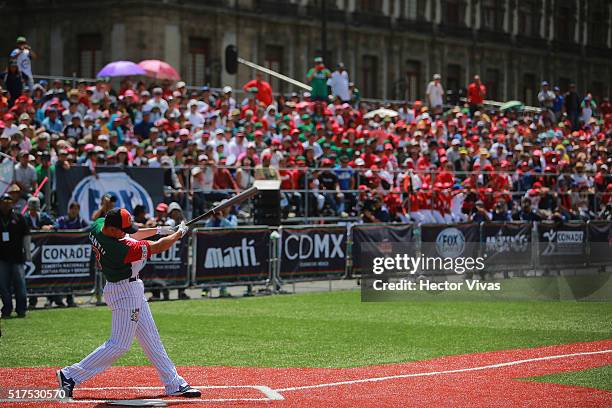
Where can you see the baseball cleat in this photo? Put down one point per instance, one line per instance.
(187, 392)
(66, 384)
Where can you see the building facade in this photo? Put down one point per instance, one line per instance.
(391, 48)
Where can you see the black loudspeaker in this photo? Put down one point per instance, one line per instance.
(231, 59)
(267, 208)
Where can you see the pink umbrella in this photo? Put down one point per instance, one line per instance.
(159, 69)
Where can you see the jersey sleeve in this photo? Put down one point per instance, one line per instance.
(137, 251)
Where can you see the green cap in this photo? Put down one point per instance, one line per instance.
(345, 141)
(305, 116)
(286, 117)
(21, 39)
(361, 140)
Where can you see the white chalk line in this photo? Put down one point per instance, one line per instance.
(431, 373)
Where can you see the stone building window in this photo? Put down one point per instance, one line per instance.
(413, 80)
(90, 54)
(598, 91)
(491, 15)
(453, 78)
(369, 75)
(530, 90)
(529, 18)
(198, 70)
(598, 24)
(492, 82)
(370, 6)
(564, 24)
(455, 12)
(273, 60)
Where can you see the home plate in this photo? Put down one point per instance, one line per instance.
(138, 403)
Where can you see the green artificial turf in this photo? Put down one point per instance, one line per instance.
(309, 330)
(600, 377)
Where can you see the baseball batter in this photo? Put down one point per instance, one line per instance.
(121, 257)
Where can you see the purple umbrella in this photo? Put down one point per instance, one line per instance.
(120, 68)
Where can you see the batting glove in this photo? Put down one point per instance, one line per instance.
(183, 228)
(164, 230)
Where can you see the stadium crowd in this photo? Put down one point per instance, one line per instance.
(423, 161)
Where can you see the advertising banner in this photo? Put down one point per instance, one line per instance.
(378, 240)
(507, 244)
(313, 252)
(170, 268)
(450, 240)
(239, 255)
(131, 185)
(61, 262)
(600, 241)
(562, 244)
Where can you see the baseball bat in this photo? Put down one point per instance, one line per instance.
(238, 198)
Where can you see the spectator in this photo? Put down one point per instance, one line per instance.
(24, 55)
(435, 94)
(547, 100)
(15, 250)
(72, 220)
(572, 106)
(36, 219)
(13, 81)
(107, 203)
(476, 94)
(558, 104)
(317, 77)
(25, 174)
(339, 83)
(264, 90)
(587, 108)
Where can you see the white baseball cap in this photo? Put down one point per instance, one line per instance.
(227, 89)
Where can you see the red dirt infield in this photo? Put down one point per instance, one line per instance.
(474, 380)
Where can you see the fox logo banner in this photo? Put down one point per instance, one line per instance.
(232, 255)
(450, 241)
(312, 252)
(131, 187)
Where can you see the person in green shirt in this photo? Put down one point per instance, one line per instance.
(317, 77)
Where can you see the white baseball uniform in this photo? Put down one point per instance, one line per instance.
(131, 317)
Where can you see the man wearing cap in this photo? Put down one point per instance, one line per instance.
(317, 77)
(435, 94)
(23, 54)
(107, 203)
(14, 251)
(264, 90)
(25, 174)
(121, 257)
(339, 83)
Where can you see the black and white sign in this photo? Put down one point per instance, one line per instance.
(312, 252)
(61, 261)
(507, 243)
(236, 255)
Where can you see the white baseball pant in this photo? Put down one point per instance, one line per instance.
(131, 318)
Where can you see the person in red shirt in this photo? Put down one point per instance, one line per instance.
(476, 93)
(264, 90)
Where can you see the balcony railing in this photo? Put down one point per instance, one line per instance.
(371, 19)
(452, 30)
(277, 7)
(530, 41)
(333, 15)
(493, 36)
(420, 26)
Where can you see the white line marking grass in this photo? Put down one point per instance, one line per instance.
(431, 373)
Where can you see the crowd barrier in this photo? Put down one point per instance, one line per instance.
(63, 263)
